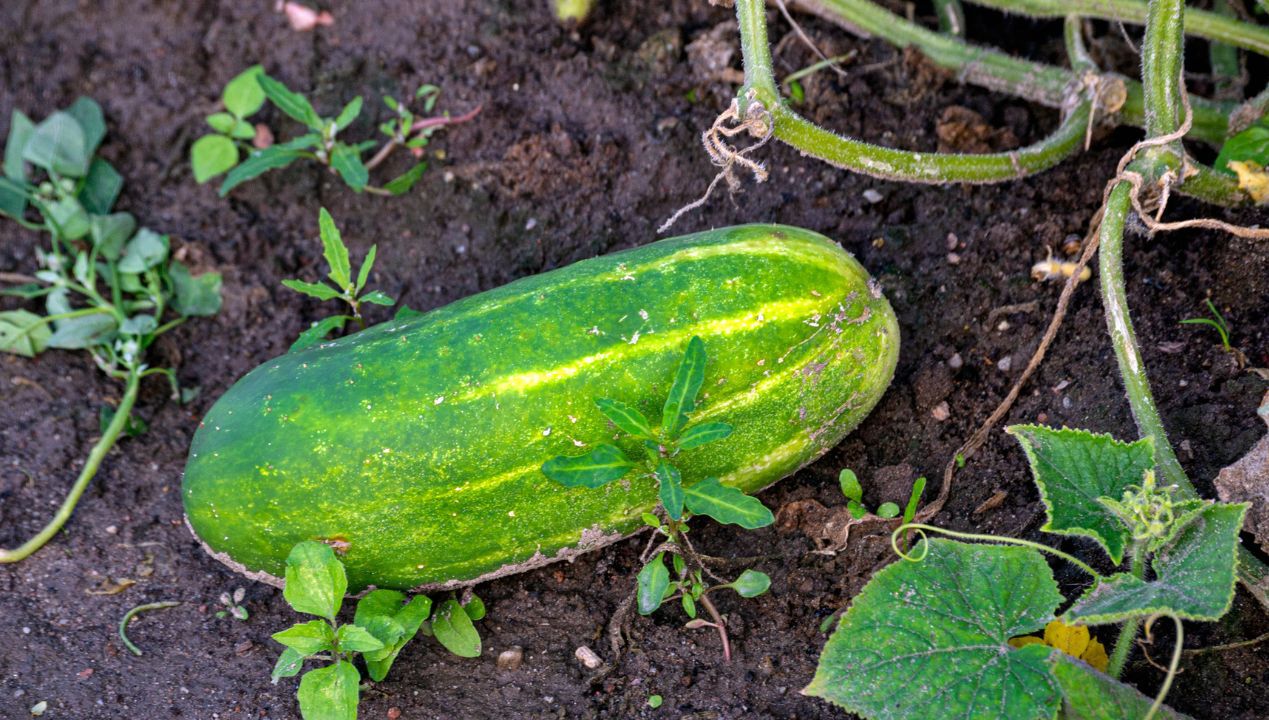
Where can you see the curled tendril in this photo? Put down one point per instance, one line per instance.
(1172, 666)
(910, 557)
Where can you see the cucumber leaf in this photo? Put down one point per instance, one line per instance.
(1091, 695)
(935, 633)
(1194, 574)
(1073, 468)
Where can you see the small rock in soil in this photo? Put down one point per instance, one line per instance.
(588, 657)
(511, 658)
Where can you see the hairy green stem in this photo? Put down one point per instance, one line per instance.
(889, 163)
(1162, 60)
(1076, 51)
(1128, 632)
(1207, 25)
(996, 71)
(103, 446)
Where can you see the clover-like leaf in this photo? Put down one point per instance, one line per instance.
(687, 384)
(1194, 574)
(330, 693)
(315, 579)
(930, 638)
(1091, 695)
(453, 628)
(243, 95)
(596, 468)
(653, 581)
(671, 489)
(703, 434)
(211, 155)
(727, 505)
(627, 419)
(1073, 468)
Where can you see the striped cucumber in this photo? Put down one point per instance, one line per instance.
(415, 447)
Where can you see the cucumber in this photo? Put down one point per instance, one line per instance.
(415, 447)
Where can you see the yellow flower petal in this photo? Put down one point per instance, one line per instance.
(1252, 178)
(1024, 641)
(1070, 639)
(1095, 655)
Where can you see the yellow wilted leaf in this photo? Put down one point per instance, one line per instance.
(1252, 178)
(1095, 655)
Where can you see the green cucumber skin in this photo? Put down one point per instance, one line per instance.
(415, 446)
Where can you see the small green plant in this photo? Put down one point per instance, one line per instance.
(223, 150)
(958, 614)
(1216, 321)
(108, 286)
(233, 605)
(345, 289)
(854, 493)
(679, 501)
(383, 623)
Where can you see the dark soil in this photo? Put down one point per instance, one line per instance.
(588, 140)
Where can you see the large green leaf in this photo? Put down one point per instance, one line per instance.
(727, 504)
(23, 333)
(596, 468)
(930, 638)
(1194, 574)
(627, 419)
(330, 693)
(20, 130)
(315, 580)
(687, 384)
(453, 628)
(1091, 695)
(58, 144)
(1073, 468)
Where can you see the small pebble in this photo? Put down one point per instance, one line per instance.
(1003, 326)
(111, 529)
(953, 259)
(1005, 364)
(394, 713)
(588, 657)
(952, 241)
(941, 411)
(511, 658)
(872, 196)
(38, 708)
(956, 361)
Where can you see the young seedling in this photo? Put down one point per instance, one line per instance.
(383, 623)
(108, 287)
(1216, 321)
(679, 501)
(223, 150)
(854, 494)
(345, 288)
(233, 605)
(967, 610)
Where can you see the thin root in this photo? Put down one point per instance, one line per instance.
(758, 123)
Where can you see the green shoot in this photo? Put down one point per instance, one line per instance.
(108, 287)
(235, 138)
(127, 618)
(854, 494)
(345, 288)
(1217, 322)
(687, 577)
(233, 605)
(382, 624)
